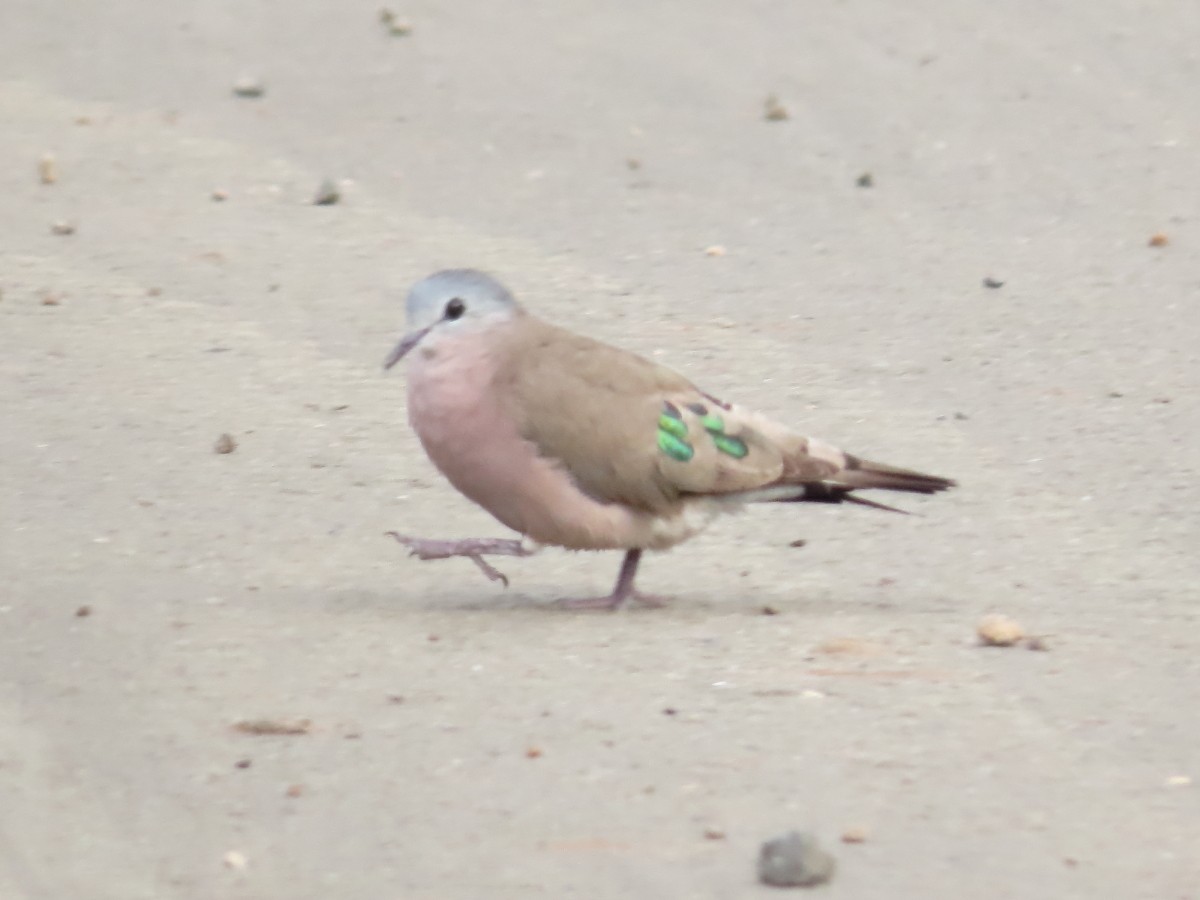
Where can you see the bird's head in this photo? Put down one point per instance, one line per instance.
(452, 302)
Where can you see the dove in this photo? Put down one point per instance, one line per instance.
(574, 443)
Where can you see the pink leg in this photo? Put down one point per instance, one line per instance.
(621, 592)
(473, 549)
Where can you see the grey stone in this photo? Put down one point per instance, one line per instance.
(794, 860)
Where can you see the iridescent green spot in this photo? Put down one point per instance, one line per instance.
(731, 446)
(713, 423)
(672, 426)
(672, 446)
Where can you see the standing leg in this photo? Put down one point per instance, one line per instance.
(621, 592)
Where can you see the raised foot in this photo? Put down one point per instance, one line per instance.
(473, 549)
(614, 601)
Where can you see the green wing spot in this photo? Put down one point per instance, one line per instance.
(726, 443)
(675, 448)
(672, 426)
(671, 433)
(731, 446)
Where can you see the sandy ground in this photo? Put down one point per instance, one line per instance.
(468, 741)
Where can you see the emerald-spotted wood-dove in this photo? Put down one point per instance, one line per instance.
(574, 443)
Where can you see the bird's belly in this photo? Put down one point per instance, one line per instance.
(467, 439)
(468, 436)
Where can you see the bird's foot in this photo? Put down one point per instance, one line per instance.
(473, 549)
(615, 601)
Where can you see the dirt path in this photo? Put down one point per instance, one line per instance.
(464, 741)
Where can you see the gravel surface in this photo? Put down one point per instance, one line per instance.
(614, 165)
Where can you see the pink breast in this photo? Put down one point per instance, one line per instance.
(462, 423)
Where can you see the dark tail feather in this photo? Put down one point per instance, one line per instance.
(825, 492)
(874, 504)
(862, 473)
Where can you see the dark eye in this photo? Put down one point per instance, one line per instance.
(455, 308)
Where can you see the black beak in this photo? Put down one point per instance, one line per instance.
(401, 349)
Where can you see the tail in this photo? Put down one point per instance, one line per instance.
(858, 474)
(862, 473)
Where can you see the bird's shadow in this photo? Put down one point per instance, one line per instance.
(711, 589)
(545, 602)
(488, 600)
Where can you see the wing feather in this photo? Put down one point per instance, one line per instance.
(630, 431)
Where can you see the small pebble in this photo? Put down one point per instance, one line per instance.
(235, 860)
(995, 630)
(243, 763)
(849, 646)
(773, 110)
(327, 194)
(714, 834)
(533, 753)
(63, 228)
(48, 169)
(294, 790)
(1036, 643)
(769, 611)
(250, 87)
(855, 835)
(799, 542)
(49, 299)
(220, 195)
(225, 444)
(83, 612)
(633, 163)
(794, 860)
(1159, 240)
(993, 283)
(865, 180)
(395, 26)
(715, 250)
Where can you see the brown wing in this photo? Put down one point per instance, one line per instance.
(591, 406)
(631, 431)
(610, 417)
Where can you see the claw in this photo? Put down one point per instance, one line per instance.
(488, 569)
